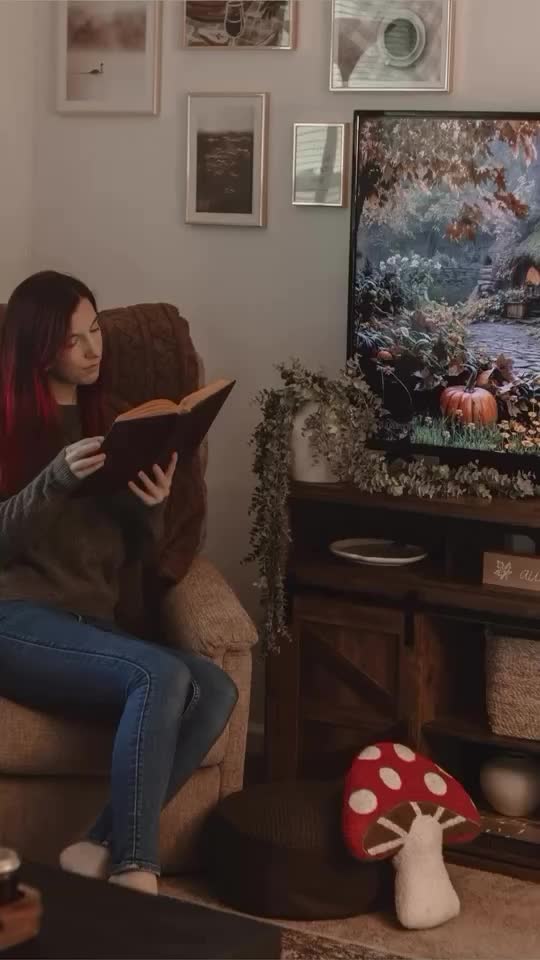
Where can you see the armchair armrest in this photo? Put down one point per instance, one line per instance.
(202, 614)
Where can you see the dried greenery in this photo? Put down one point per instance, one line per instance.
(347, 414)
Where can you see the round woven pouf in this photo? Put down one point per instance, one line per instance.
(276, 850)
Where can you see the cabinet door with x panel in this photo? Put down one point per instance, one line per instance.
(340, 684)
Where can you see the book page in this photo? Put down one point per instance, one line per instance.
(193, 399)
(153, 408)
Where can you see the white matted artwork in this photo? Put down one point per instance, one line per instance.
(226, 159)
(392, 45)
(108, 56)
(320, 164)
(240, 24)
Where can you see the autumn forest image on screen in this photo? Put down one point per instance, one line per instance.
(445, 299)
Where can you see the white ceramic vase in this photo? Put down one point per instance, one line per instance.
(511, 784)
(303, 466)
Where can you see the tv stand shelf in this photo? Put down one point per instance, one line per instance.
(419, 585)
(512, 513)
(477, 731)
(398, 653)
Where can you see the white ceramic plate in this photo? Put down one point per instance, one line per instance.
(380, 553)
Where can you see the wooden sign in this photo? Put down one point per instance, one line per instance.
(512, 571)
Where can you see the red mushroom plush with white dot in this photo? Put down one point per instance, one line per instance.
(400, 805)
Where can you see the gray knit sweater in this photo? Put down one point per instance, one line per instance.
(69, 551)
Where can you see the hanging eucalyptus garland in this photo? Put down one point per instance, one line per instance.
(347, 414)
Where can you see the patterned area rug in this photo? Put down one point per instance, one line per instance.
(296, 945)
(499, 920)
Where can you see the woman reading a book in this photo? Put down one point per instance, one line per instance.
(61, 556)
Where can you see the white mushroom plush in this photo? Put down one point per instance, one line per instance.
(400, 805)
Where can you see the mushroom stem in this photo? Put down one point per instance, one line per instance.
(425, 896)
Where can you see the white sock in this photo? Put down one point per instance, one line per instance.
(87, 858)
(142, 880)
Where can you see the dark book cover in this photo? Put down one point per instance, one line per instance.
(137, 444)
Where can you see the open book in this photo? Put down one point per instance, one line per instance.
(152, 432)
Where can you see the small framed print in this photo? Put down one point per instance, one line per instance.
(108, 56)
(226, 159)
(391, 45)
(320, 164)
(239, 25)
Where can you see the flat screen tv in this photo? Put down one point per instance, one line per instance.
(444, 300)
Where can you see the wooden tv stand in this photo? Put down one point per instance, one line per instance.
(398, 653)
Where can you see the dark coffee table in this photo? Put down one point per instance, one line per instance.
(96, 920)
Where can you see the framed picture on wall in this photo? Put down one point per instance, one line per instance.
(108, 56)
(401, 45)
(240, 25)
(226, 159)
(320, 164)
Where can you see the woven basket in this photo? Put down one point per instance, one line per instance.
(513, 686)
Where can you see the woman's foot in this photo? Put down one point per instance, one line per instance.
(88, 859)
(141, 880)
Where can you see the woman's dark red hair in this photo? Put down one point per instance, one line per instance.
(34, 330)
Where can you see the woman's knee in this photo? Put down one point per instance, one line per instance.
(171, 680)
(216, 686)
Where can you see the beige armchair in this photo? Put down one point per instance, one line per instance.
(54, 769)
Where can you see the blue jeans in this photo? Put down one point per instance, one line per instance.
(171, 706)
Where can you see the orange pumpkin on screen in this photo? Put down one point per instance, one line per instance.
(470, 404)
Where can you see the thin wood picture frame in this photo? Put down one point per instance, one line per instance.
(108, 56)
(216, 25)
(227, 145)
(400, 47)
